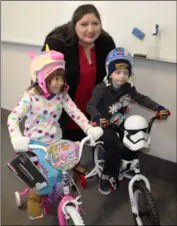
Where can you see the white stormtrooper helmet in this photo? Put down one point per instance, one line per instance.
(136, 134)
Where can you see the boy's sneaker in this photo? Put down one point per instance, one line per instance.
(114, 182)
(104, 186)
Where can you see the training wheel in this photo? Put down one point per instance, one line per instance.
(82, 181)
(18, 199)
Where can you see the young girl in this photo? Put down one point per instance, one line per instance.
(42, 103)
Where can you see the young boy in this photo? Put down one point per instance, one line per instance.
(109, 98)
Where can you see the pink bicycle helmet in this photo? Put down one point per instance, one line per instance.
(43, 64)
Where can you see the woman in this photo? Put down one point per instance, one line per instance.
(85, 46)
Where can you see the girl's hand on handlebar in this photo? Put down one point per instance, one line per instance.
(20, 143)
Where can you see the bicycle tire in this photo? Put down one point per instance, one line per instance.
(74, 215)
(95, 155)
(149, 200)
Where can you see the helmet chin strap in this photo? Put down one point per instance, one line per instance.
(42, 84)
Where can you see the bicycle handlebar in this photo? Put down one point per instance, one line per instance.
(151, 121)
(156, 117)
(83, 141)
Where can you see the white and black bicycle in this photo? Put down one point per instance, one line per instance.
(135, 135)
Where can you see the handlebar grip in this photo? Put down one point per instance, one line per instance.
(158, 114)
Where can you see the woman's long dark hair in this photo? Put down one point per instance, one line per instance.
(66, 33)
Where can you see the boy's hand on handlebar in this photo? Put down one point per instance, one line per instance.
(100, 121)
(162, 113)
(20, 143)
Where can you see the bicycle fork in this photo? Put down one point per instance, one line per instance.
(66, 200)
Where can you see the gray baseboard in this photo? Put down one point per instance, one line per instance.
(150, 165)
(4, 114)
(158, 167)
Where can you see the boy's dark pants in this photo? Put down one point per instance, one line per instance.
(113, 152)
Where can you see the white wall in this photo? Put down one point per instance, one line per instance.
(156, 79)
(15, 76)
(28, 23)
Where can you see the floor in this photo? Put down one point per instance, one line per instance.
(100, 210)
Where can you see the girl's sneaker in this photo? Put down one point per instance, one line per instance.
(35, 218)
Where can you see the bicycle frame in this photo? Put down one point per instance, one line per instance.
(67, 199)
(97, 168)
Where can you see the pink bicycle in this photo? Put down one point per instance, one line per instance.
(69, 207)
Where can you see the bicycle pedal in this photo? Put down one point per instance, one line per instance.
(73, 187)
(112, 189)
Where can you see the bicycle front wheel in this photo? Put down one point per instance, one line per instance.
(75, 217)
(145, 204)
